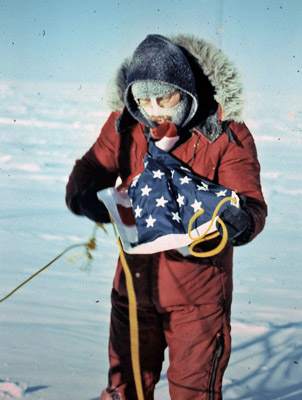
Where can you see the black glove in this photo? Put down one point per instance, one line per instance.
(87, 203)
(239, 225)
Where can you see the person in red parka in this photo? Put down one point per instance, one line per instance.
(183, 302)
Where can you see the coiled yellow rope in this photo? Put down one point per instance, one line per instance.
(203, 237)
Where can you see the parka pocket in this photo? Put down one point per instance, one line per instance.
(215, 366)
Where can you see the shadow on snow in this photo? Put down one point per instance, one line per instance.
(269, 365)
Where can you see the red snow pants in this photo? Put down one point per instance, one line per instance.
(182, 303)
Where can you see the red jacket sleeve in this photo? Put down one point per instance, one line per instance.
(98, 165)
(239, 170)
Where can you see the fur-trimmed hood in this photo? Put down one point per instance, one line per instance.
(215, 65)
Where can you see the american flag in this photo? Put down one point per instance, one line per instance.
(154, 213)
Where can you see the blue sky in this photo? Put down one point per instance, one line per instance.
(84, 41)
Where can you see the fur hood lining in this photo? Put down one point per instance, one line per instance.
(220, 71)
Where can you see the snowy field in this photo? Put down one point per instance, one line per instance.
(54, 331)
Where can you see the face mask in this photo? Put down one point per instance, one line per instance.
(156, 112)
(159, 101)
(153, 110)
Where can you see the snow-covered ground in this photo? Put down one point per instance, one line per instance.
(54, 330)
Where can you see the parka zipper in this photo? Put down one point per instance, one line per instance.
(217, 357)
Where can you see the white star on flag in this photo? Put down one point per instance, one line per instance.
(175, 217)
(172, 173)
(146, 190)
(180, 200)
(157, 174)
(222, 193)
(185, 179)
(196, 205)
(134, 182)
(203, 186)
(138, 211)
(150, 221)
(146, 163)
(161, 202)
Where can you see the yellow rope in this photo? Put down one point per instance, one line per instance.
(88, 246)
(203, 237)
(134, 333)
(133, 320)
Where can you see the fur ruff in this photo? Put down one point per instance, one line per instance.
(221, 72)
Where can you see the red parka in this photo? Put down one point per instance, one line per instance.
(183, 302)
